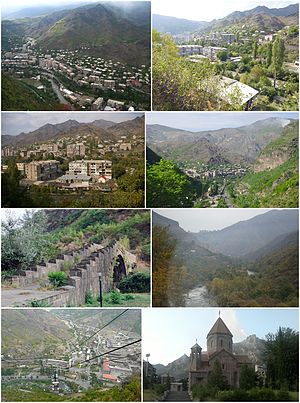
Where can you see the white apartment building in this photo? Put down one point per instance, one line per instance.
(93, 168)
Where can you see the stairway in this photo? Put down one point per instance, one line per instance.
(177, 397)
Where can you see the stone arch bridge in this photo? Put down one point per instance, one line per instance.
(112, 261)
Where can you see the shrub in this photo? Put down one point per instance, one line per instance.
(115, 297)
(89, 299)
(57, 278)
(136, 282)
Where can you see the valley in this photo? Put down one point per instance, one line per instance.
(94, 57)
(254, 165)
(67, 355)
(253, 262)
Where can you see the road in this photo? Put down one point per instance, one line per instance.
(56, 89)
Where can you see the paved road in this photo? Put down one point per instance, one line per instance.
(23, 295)
(56, 89)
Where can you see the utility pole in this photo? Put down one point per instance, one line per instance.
(100, 288)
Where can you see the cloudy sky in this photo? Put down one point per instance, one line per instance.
(209, 219)
(15, 5)
(15, 123)
(204, 10)
(200, 121)
(170, 333)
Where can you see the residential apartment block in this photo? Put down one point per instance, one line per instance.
(94, 168)
(41, 170)
(75, 149)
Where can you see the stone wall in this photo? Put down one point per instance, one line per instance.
(87, 264)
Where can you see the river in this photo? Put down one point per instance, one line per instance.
(199, 297)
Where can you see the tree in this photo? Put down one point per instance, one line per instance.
(13, 195)
(24, 241)
(277, 57)
(179, 84)
(167, 186)
(222, 55)
(247, 377)
(281, 355)
(168, 275)
(269, 54)
(216, 378)
(254, 49)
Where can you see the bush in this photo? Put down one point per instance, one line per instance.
(115, 297)
(136, 282)
(57, 278)
(283, 396)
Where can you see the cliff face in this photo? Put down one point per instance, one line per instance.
(280, 150)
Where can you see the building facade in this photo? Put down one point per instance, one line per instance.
(41, 170)
(76, 149)
(93, 168)
(219, 347)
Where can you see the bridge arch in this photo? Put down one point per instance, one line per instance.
(119, 270)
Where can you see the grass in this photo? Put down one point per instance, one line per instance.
(112, 299)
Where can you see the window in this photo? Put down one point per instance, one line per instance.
(221, 342)
(211, 343)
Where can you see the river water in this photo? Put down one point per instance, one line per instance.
(199, 297)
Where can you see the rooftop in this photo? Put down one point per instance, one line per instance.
(219, 327)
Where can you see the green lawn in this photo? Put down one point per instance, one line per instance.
(113, 298)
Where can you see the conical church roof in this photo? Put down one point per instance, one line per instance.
(219, 327)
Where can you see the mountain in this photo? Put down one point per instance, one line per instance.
(172, 25)
(104, 29)
(280, 267)
(17, 97)
(31, 332)
(179, 368)
(103, 124)
(273, 180)
(101, 128)
(202, 264)
(279, 242)
(129, 128)
(278, 12)
(37, 11)
(151, 156)
(248, 236)
(260, 18)
(237, 145)
(252, 346)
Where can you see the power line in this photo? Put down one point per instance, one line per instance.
(81, 343)
(107, 352)
(43, 358)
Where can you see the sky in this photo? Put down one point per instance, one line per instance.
(170, 333)
(201, 121)
(15, 5)
(15, 123)
(14, 212)
(194, 220)
(207, 10)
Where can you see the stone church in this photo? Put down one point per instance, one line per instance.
(219, 347)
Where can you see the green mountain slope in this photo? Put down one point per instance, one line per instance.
(18, 96)
(274, 180)
(103, 30)
(29, 333)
